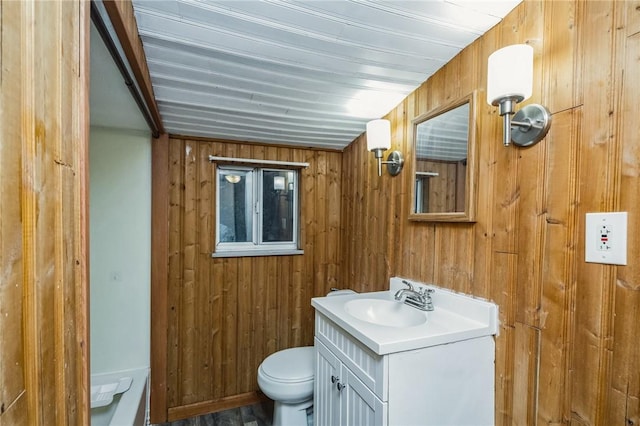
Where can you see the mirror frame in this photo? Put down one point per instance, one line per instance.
(469, 213)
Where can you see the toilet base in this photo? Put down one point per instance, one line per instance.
(291, 414)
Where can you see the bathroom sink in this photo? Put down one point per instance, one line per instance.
(384, 325)
(385, 312)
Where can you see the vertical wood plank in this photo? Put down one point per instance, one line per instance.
(398, 135)
(189, 248)
(595, 282)
(531, 170)
(159, 276)
(334, 208)
(206, 239)
(230, 327)
(28, 203)
(76, 62)
(301, 292)
(55, 192)
(525, 372)
(174, 293)
(320, 221)
(12, 344)
(505, 277)
(562, 91)
(245, 370)
(506, 191)
(217, 378)
(488, 141)
(559, 260)
(561, 58)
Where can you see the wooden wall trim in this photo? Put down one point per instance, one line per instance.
(124, 22)
(82, 254)
(159, 271)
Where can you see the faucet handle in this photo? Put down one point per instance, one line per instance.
(408, 284)
(427, 297)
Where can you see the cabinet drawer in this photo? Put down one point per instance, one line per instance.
(366, 365)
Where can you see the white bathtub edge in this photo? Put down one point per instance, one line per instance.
(132, 407)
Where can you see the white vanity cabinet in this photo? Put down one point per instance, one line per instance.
(444, 384)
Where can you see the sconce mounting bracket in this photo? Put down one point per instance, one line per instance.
(394, 163)
(530, 125)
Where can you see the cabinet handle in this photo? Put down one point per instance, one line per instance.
(340, 386)
(334, 379)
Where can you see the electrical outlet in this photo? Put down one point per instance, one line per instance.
(603, 242)
(606, 238)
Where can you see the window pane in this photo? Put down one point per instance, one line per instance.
(278, 191)
(236, 206)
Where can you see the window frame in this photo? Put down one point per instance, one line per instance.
(258, 247)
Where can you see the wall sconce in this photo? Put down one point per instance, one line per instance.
(510, 81)
(378, 141)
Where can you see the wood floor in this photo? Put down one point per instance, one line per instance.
(252, 415)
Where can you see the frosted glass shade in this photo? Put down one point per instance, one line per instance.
(510, 73)
(378, 135)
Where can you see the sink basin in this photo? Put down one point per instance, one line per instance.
(384, 325)
(385, 312)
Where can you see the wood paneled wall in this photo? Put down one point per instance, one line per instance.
(225, 315)
(43, 213)
(567, 352)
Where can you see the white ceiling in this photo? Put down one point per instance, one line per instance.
(302, 73)
(110, 102)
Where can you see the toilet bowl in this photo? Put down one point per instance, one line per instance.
(286, 377)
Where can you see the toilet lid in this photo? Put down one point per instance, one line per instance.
(290, 365)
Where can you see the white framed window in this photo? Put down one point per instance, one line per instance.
(257, 211)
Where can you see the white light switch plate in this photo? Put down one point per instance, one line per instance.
(606, 238)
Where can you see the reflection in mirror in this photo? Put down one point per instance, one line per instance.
(441, 161)
(443, 150)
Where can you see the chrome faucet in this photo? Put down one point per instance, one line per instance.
(418, 299)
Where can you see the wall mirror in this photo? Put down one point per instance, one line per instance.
(444, 165)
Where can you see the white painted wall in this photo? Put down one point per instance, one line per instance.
(120, 244)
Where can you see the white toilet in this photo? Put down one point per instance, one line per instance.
(286, 377)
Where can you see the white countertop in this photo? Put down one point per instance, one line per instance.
(455, 317)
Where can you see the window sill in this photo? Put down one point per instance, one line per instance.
(255, 253)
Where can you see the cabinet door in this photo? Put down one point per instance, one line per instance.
(326, 397)
(360, 406)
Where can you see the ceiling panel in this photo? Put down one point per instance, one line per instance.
(303, 73)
